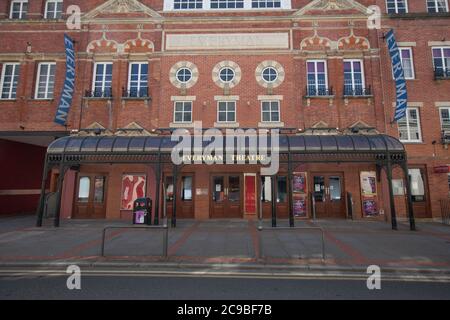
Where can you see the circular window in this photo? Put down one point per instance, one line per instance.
(226, 75)
(270, 74)
(184, 75)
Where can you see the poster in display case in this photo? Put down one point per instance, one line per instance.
(299, 194)
(369, 196)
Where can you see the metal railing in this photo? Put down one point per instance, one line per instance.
(357, 91)
(445, 211)
(135, 93)
(441, 73)
(141, 228)
(312, 91)
(107, 93)
(261, 228)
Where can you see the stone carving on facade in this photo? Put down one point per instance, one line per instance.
(332, 5)
(353, 42)
(132, 129)
(121, 6)
(103, 46)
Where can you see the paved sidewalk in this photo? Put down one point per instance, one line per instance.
(348, 244)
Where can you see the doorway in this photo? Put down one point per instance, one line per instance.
(90, 196)
(328, 193)
(226, 195)
(185, 196)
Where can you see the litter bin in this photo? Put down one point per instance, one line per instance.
(142, 211)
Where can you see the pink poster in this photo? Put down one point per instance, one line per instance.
(133, 187)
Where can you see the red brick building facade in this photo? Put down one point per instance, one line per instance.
(306, 67)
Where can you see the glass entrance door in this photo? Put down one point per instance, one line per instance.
(226, 196)
(328, 194)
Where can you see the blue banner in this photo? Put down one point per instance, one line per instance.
(399, 77)
(69, 84)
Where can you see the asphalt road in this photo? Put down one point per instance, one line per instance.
(172, 287)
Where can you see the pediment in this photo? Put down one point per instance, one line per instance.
(121, 8)
(330, 7)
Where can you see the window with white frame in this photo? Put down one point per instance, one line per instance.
(53, 9)
(406, 57)
(270, 111)
(138, 79)
(317, 78)
(19, 9)
(102, 81)
(397, 6)
(45, 82)
(409, 126)
(437, 6)
(9, 80)
(266, 3)
(182, 112)
(441, 61)
(226, 111)
(445, 118)
(227, 4)
(187, 4)
(353, 78)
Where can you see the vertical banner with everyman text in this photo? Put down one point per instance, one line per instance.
(399, 77)
(69, 84)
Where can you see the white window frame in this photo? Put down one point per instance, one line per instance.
(104, 77)
(276, 73)
(220, 74)
(315, 61)
(440, 117)
(21, 8)
(227, 8)
(436, 6)
(140, 63)
(363, 76)
(183, 111)
(412, 62)
(46, 9)
(396, 6)
(419, 126)
(279, 111)
(226, 112)
(442, 56)
(169, 5)
(47, 82)
(2, 80)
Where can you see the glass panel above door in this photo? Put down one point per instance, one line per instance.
(83, 189)
(234, 190)
(335, 188)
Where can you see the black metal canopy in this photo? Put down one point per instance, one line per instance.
(139, 145)
(380, 149)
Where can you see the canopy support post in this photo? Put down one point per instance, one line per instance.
(274, 204)
(157, 191)
(391, 195)
(289, 187)
(174, 198)
(40, 208)
(59, 185)
(412, 222)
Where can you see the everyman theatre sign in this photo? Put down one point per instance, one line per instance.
(69, 84)
(399, 77)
